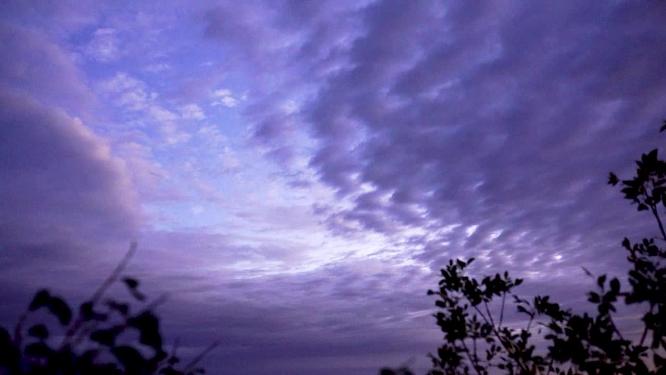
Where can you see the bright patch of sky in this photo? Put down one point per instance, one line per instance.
(173, 109)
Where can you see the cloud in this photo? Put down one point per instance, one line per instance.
(24, 69)
(157, 68)
(303, 322)
(224, 97)
(103, 46)
(60, 180)
(505, 126)
(192, 112)
(136, 98)
(131, 92)
(439, 130)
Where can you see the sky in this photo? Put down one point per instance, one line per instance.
(296, 172)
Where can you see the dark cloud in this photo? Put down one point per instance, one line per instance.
(491, 128)
(65, 200)
(23, 69)
(308, 322)
(65, 204)
(503, 116)
(59, 180)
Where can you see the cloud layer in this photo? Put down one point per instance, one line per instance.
(295, 171)
(504, 118)
(60, 180)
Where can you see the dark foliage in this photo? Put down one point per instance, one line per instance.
(104, 337)
(477, 341)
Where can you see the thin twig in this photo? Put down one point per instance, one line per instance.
(72, 330)
(114, 274)
(655, 212)
(469, 357)
(490, 316)
(504, 343)
(529, 323)
(610, 318)
(201, 355)
(476, 356)
(501, 317)
(645, 330)
(18, 337)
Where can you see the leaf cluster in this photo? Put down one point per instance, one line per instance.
(103, 336)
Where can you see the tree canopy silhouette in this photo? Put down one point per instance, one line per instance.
(478, 341)
(104, 337)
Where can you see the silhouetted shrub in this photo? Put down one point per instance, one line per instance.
(476, 340)
(104, 336)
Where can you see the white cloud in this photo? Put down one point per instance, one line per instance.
(212, 134)
(103, 46)
(134, 95)
(228, 160)
(192, 112)
(172, 134)
(157, 67)
(131, 92)
(161, 114)
(224, 97)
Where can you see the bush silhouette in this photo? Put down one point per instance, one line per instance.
(470, 311)
(104, 337)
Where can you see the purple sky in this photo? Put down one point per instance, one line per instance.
(296, 172)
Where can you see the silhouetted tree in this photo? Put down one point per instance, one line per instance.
(104, 337)
(471, 310)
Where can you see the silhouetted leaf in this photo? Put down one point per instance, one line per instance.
(130, 358)
(593, 297)
(58, 307)
(38, 358)
(5, 337)
(132, 286)
(149, 329)
(37, 349)
(626, 244)
(131, 282)
(39, 331)
(86, 310)
(615, 285)
(173, 360)
(40, 299)
(106, 336)
(170, 371)
(601, 280)
(88, 313)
